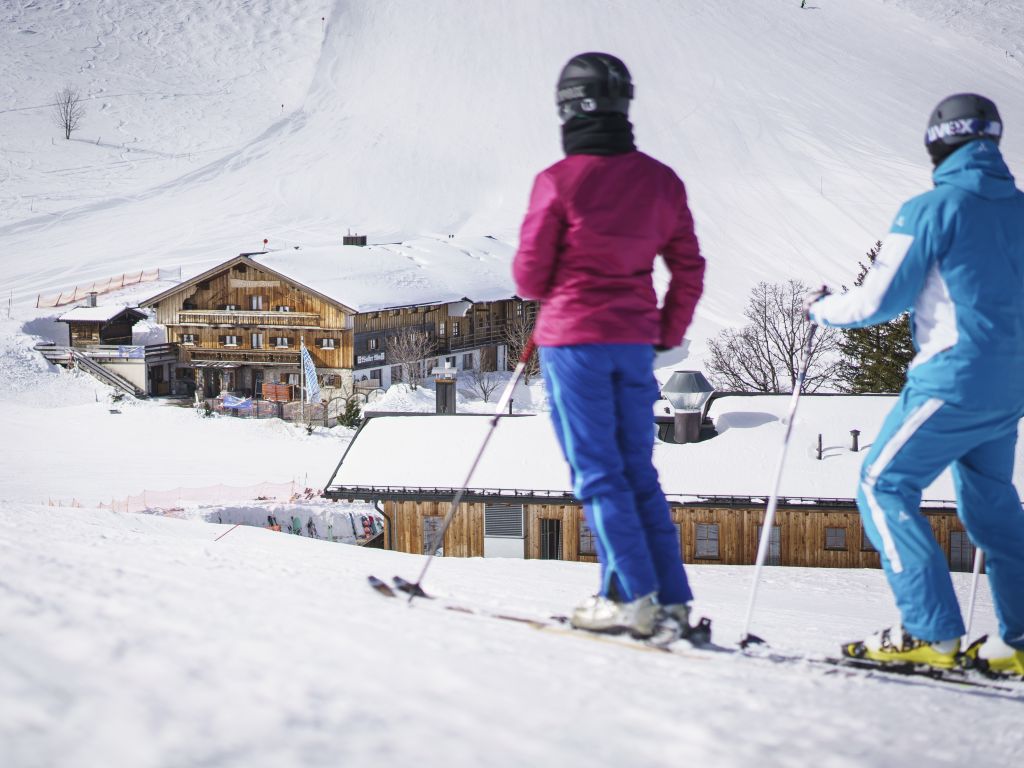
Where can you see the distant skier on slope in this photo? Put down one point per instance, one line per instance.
(596, 221)
(955, 256)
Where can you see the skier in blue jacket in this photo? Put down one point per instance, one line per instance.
(955, 258)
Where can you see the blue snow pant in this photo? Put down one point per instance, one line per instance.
(921, 436)
(602, 404)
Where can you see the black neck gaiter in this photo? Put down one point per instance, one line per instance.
(607, 133)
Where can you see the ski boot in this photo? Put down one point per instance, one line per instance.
(677, 616)
(993, 657)
(638, 618)
(896, 645)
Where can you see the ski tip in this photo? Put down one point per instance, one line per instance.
(380, 586)
(748, 640)
(409, 588)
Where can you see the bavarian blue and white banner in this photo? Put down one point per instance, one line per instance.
(312, 387)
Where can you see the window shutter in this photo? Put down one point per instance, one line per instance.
(223, 339)
(503, 520)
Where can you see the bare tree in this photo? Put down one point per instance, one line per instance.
(516, 335)
(483, 383)
(68, 110)
(765, 354)
(408, 349)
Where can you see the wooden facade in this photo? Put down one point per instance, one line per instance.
(240, 324)
(808, 535)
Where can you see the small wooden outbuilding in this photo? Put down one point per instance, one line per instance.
(100, 326)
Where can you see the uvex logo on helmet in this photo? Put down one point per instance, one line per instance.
(960, 119)
(970, 126)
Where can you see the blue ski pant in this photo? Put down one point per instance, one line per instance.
(602, 403)
(920, 437)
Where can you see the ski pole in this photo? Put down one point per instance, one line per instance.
(979, 556)
(416, 590)
(769, 516)
(229, 530)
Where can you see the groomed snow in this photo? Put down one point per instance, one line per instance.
(135, 640)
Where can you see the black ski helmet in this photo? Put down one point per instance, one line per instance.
(593, 82)
(958, 119)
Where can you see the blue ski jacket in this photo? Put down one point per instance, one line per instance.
(955, 258)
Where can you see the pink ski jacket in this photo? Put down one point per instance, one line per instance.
(587, 249)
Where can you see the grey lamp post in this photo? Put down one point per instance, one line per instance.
(688, 392)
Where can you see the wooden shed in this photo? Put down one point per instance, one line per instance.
(101, 326)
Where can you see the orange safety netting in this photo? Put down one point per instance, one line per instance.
(80, 292)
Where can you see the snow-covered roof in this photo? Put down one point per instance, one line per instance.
(524, 455)
(421, 271)
(95, 314)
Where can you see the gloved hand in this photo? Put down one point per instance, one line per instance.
(812, 297)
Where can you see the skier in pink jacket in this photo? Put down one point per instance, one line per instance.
(596, 222)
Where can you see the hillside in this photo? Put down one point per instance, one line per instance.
(213, 126)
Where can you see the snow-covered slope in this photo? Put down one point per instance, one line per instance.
(798, 132)
(137, 640)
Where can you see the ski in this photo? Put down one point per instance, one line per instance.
(697, 645)
(380, 586)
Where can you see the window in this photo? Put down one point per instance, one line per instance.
(257, 341)
(707, 541)
(467, 362)
(961, 552)
(282, 308)
(449, 362)
(440, 328)
(519, 309)
(550, 539)
(281, 342)
(188, 338)
(587, 544)
(293, 379)
(325, 343)
(456, 329)
(774, 556)
(230, 307)
(835, 538)
(256, 302)
(229, 341)
(396, 373)
(431, 529)
(865, 542)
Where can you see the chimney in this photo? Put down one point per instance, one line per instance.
(855, 434)
(444, 389)
(91, 301)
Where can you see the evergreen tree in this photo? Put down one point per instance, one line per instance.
(352, 417)
(876, 359)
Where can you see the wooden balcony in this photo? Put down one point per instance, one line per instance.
(226, 356)
(252, 319)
